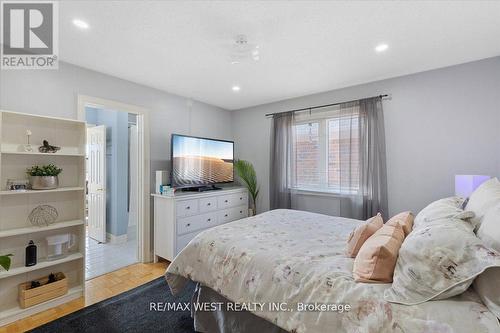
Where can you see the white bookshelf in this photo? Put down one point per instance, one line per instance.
(15, 206)
(41, 264)
(60, 189)
(17, 313)
(6, 152)
(30, 230)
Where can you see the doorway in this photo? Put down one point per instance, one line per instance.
(117, 160)
(112, 185)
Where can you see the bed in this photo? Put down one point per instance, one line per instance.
(294, 261)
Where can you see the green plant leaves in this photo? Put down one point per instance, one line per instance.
(246, 172)
(5, 261)
(44, 170)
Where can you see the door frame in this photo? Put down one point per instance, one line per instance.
(143, 207)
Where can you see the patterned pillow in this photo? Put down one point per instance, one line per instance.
(487, 284)
(437, 261)
(441, 209)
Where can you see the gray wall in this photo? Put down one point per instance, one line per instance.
(439, 123)
(54, 93)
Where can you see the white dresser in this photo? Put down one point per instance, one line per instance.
(177, 219)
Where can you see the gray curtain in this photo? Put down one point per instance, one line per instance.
(356, 162)
(373, 173)
(281, 161)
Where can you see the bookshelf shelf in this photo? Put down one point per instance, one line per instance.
(31, 230)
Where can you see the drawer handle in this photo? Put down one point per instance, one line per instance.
(208, 204)
(241, 198)
(188, 207)
(209, 220)
(225, 200)
(225, 215)
(189, 224)
(241, 212)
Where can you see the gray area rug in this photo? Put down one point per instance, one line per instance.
(129, 312)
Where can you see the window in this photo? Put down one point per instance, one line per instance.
(307, 152)
(326, 152)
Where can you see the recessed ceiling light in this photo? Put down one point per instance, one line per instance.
(80, 24)
(381, 47)
(236, 88)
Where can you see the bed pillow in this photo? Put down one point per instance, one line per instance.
(362, 232)
(440, 209)
(377, 257)
(487, 284)
(485, 197)
(438, 261)
(405, 220)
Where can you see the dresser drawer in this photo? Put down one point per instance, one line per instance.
(208, 204)
(187, 207)
(183, 240)
(241, 212)
(232, 200)
(232, 214)
(197, 222)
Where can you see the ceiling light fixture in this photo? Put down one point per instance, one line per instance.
(381, 48)
(236, 88)
(80, 24)
(242, 51)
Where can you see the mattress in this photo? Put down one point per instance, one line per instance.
(289, 268)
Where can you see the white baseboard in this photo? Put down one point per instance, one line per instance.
(113, 239)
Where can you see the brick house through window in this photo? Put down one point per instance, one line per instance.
(326, 154)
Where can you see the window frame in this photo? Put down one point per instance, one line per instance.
(324, 139)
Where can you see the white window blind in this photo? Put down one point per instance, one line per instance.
(326, 150)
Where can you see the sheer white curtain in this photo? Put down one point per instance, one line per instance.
(339, 149)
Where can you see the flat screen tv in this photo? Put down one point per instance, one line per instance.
(198, 162)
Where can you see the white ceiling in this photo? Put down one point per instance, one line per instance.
(306, 47)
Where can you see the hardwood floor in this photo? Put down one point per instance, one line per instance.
(96, 290)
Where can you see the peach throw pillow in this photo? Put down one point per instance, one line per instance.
(377, 257)
(362, 232)
(405, 220)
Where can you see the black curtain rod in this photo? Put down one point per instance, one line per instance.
(323, 106)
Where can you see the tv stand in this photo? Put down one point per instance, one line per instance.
(178, 218)
(201, 188)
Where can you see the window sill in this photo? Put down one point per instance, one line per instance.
(321, 192)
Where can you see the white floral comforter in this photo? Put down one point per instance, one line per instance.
(298, 257)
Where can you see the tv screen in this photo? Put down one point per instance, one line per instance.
(201, 161)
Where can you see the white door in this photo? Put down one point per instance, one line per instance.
(96, 143)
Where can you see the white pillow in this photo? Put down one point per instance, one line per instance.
(489, 231)
(442, 209)
(438, 261)
(487, 284)
(485, 197)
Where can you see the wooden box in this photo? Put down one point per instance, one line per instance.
(47, 291)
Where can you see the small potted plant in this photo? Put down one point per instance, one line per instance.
(44, 177)
(5, 261)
